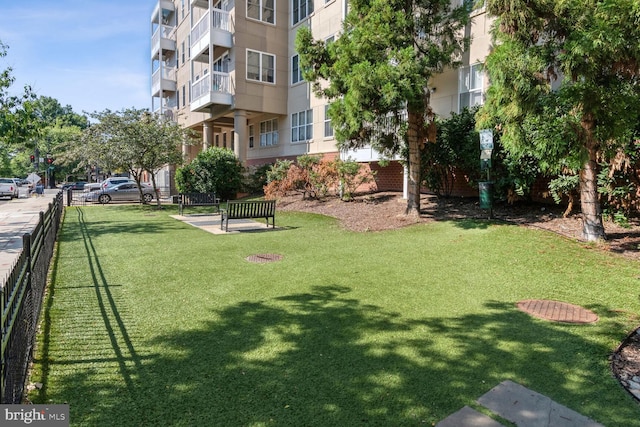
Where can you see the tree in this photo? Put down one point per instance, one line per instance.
(17, 122)
(376, 74)
(132, 140)
(58, 125)
(565, 86)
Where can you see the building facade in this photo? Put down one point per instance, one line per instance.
(229, 70)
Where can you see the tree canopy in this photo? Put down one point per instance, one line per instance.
(131, 140)
(565, 86)
(17, 122)
(376, 74)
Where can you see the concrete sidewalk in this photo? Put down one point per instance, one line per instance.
(17, 217)
(519, 405)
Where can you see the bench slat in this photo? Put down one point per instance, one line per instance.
(248, 209)
(197, 199)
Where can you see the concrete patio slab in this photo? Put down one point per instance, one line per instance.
(468, 417)
(528, 408)
(211, 224)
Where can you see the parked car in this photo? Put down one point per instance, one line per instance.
(109, 182)
(9, 188)
(127, 192)
(74, 185)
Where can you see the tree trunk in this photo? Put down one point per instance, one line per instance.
(592, 226)
(413, 140)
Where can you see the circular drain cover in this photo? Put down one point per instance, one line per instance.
(262, 258)
(557, 311)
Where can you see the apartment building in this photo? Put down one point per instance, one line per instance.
(229, 70)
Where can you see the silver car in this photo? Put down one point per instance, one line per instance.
(127, 192)
(109, 182)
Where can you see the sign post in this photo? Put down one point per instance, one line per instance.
(485, 188)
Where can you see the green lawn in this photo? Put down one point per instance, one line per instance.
(152, 322)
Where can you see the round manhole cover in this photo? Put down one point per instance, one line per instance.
(262, 258)
(557, 311)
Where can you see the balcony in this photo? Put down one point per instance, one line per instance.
(214, 88)
(163, 80)
(213, 29)
(203, 4)
(162, 41)
(163, 9)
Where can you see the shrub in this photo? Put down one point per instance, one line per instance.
(352, 175)
(213, 170)
(315, 177)
(565, 186)
(457, 146)
(255, 178)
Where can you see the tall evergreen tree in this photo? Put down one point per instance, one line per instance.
(565, 85)
(376, 74)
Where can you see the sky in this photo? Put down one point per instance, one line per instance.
(90, 54)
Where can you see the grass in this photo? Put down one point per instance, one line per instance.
(150, 321)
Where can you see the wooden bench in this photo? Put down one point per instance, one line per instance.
(197, 199)
(238, 209)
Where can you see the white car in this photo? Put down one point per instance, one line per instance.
(9, 188)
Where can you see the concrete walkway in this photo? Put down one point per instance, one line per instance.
(519, 405)
(17, 217)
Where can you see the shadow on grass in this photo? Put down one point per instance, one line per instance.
(321, 358)
(97, 228)
(324, 359)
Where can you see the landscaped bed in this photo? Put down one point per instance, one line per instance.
(150, 321)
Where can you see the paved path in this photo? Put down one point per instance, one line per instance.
(17, 217)
(519, 405)
(211, 224)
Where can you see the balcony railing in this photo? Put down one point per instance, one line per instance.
(164, 73)
(214, 18)
(214, 82)
(162, 32)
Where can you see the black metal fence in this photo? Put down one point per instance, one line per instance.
(22, 296)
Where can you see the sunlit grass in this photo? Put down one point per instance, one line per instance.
(151, 321)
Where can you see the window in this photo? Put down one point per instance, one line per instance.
(224, 140)
(261, 10)
(328, 129)
(183, 52)
(301, 9)
(302, 126)
(470, 86)
(184, 96)
(251, 136)
(178, 99)
(261, 66)
(269, 133)
(296, 71)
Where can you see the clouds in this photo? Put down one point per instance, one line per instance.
(91, 55)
